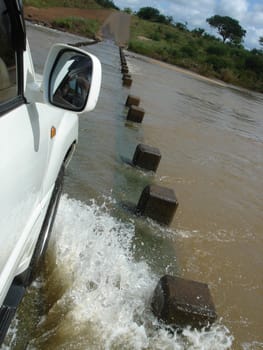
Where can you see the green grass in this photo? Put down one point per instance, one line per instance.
(84, 27)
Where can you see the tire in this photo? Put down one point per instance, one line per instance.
(28, 276)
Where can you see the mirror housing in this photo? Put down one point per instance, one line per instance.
(72, 79)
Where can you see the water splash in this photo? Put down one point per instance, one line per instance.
(98, 296)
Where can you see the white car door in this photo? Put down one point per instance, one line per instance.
(24, 138)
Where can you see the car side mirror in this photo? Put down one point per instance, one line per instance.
(72, 79)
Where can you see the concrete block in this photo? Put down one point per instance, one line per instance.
(127, 82)
(132, 101)
(146, 157)
(126, 76)
(159, 203)
(125, 69)
(180, 302)
(121, 52)
(135, 114)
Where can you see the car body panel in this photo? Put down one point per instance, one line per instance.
(30, 162)
(37, 139)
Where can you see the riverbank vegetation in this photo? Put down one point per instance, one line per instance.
(157, 36)
(77, 25)
(198, 51)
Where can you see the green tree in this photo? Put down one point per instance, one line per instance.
(148, 13)
(169, 19)
(229, 28)
(107, 4)
(181, 26)
(254, 63)
(154, 15)
(128, 10)
(198, 32)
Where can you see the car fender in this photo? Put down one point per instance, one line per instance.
(66, 135)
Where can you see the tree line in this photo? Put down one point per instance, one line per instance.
(223, 57)
(228, 28)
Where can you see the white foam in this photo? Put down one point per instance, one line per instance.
(254, 345)
(107, 303)
(99, 296)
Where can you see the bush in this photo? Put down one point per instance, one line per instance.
(152, 14)
(219, 50)
(170, 36)
(85, 27)
(254, 63)
(228, 75)
(218, 63)
(173, 52)
(188, 51)
(140, 47)
(155, 36)
(107, 4)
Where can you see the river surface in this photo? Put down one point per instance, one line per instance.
(103, 262)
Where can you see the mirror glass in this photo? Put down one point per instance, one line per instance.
(70, 80)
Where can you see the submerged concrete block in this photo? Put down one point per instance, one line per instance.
(146, 157)
(126, 76)
(132, 101)
(180, 302)
(159, 203)
(127, 82)
(135, 114)
(123, 61)
(125, 69)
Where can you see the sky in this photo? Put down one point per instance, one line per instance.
(249, 13)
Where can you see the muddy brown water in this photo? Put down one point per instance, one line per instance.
(103, 262)
(211, 138)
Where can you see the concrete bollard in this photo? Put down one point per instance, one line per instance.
(123, 61)
(121, 53)
(180, 302)
(126, 76)
(135, 114)
(146, 157)
(132, 101)
(159, 203)
(127, 82)
(125, 70)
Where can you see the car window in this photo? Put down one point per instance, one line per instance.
(8, 67)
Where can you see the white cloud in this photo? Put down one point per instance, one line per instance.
(255, 16)
(237, 9)
(195, 14)
(253, 35)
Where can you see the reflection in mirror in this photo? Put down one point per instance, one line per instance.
(70, 80)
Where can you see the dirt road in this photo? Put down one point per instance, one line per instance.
(115, 25)
(47, 15)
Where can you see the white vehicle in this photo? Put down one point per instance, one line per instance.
(38, 134)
